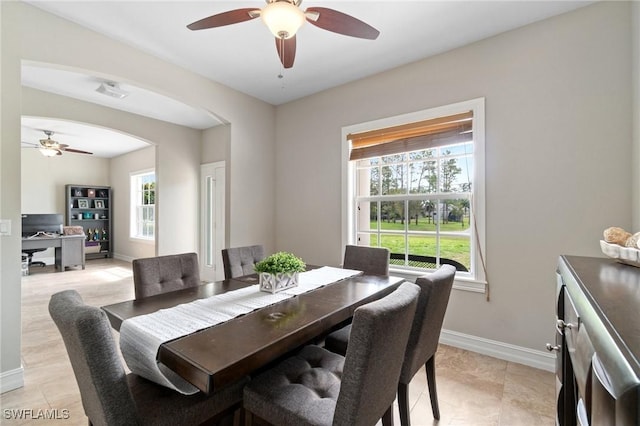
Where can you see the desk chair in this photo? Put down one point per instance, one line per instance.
(318, 387)
(113, 398)
(435, 289)
(29, 253)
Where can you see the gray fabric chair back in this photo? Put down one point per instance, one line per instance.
(370, 260)
(106, 397)
(435, 289)
(161, 274)
(239, 261)
(374, 357)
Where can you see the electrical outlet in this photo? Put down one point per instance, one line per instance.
(5, 226)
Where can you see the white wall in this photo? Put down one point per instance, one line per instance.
(30, 34)
(558, 140)
(43, 181)
(121, 167)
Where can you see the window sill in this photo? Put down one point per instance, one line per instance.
(460, 283)
(149, 241)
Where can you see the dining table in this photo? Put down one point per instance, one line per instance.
(219, 355)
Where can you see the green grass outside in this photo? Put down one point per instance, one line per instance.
(423, 225)
(452, 247)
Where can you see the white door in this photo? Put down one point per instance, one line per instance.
(212, 226)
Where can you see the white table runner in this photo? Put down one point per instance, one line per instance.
(141, 336)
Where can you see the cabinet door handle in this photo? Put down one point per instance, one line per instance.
(552, 348)
(562, 325)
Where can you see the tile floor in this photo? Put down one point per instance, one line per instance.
(473, 389)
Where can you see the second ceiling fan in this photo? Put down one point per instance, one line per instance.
(284, 18)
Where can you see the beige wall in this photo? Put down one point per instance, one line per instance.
(215, 144)
(29, 34)
(43, 179)
(121, 167)
(558, 139)
(216, 147)
(10, 197)
(635, 42)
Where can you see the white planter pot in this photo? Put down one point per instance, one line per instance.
(278, 282)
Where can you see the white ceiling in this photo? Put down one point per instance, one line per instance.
(243, 56)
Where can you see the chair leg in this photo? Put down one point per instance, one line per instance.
(387, 417)
(403, 404)
(430, 368)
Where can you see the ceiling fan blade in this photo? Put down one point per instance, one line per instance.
(341, 23)
(286, 50)
(31, 144)
(77, 151)
(225, 18)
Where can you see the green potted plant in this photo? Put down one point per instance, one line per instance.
(279, 271)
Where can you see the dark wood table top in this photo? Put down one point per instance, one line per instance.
(224, 353)
(612, 291)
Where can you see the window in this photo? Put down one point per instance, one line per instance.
(143, 209)
(415, 185)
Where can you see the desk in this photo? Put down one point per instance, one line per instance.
(222, 354)
(69, 249)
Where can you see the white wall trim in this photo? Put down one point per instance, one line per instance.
(12, 379)
(505, 351)
(123, 257)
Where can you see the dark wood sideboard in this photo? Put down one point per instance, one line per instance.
(597, 342)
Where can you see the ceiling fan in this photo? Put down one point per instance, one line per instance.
(284, 18)
(50, 148)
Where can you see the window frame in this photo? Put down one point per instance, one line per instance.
(134, 189)
(472, 281)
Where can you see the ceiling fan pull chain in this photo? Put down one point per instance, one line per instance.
(281, 75)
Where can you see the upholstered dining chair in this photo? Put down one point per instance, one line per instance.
(370, 260)
(318, 387)
(161, 274)
(112, 397)
(435, 289)
(239, 261)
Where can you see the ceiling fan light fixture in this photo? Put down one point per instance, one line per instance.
(282, 18)
(112, 89)
(48, 152)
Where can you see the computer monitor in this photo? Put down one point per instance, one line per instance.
(47, 223)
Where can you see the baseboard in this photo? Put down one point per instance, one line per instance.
(12, 379)
(123, 257)
(537, 359)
